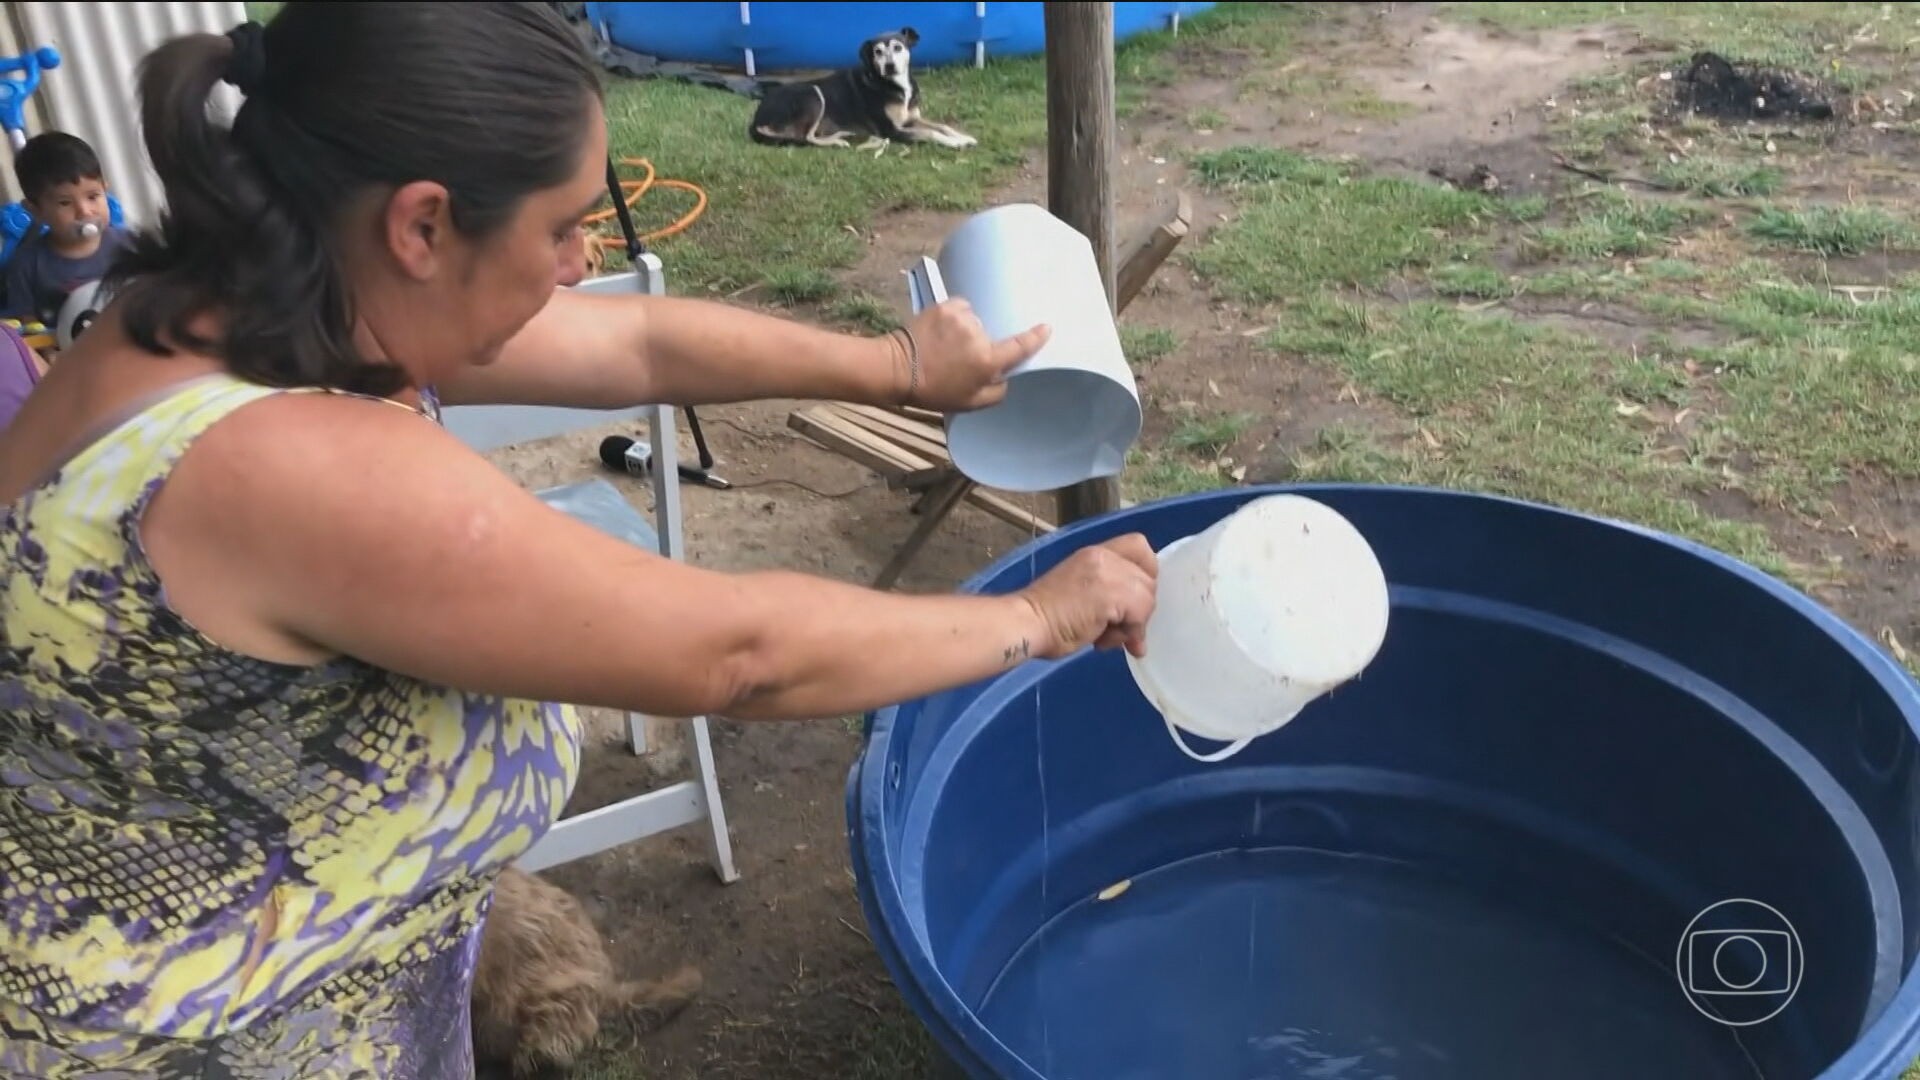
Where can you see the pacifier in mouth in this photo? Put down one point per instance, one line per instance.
(83, 230)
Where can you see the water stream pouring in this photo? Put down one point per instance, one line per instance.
(1267, 610)
(1072, 410)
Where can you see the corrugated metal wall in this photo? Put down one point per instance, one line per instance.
(92, 93)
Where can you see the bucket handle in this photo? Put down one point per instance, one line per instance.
(1218, 755)
(925, 287)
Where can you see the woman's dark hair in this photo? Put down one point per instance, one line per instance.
(491, 100)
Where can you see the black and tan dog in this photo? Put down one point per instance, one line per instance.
(878, 99)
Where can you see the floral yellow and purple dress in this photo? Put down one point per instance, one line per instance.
(216, 866)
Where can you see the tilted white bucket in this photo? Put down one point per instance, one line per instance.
(1072, 410)
(1256, 617)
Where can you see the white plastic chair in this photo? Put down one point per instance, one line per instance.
(599, 503)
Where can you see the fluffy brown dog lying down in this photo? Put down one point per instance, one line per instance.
(544, 984)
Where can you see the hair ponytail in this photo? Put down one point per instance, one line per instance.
(227, 246)
(488, 99)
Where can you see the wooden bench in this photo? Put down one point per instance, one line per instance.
(907, 447)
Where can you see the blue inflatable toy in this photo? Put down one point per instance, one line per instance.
(14, 92)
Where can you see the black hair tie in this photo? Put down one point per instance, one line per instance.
(247, 67)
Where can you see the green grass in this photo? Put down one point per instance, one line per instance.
(1514, 409)
(1188, 459)
(1798, 389)
(864, 312)
(1146, 345)
(1671, 270)
(1593, 129)
(1360, 103)
(1807, 389)
(1829, 230)
(1209, 436)
(1717, 178)
(1615, 225)
(1350, 454)
(1818, 388)
(800, 285)
(1240, 167)
(1304, 223)
(1159, 473)
(1206, 119)
(1478, 281)
(1474, 281)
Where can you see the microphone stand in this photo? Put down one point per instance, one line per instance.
(635, 249)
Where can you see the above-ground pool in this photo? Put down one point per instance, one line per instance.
(1607, 806)
(792, 37)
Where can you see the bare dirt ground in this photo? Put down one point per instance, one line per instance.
(794, 987)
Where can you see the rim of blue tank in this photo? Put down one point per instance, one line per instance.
(1882, 1049)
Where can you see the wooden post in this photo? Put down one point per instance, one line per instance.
(1080, 138)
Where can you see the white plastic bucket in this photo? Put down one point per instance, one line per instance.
(1072, 410)
(1256, 617)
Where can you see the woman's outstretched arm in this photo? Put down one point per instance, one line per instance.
(358, 529)
(609, 351)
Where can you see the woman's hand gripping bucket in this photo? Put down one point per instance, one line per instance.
(1072, 410)
(1258, 616)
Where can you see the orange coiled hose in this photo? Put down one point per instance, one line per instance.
(634, 191)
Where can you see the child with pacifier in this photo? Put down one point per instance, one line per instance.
(62, 187)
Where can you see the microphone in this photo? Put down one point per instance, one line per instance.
(635, 458)
(626, 455)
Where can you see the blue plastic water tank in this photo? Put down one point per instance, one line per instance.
(792, 36)
(1608, 804)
